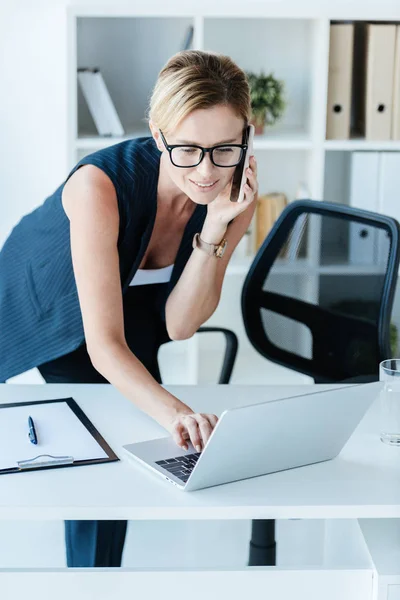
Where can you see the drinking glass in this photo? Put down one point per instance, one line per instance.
(389, 373)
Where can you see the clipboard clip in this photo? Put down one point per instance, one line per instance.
(44, 460)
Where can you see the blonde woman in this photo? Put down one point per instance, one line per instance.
(130, 252)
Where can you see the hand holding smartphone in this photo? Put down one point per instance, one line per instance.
(239, 177)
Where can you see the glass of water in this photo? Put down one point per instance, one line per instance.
(389, 373)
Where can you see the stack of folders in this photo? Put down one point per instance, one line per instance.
(375, 186)
(364, 81)
(269, 207)
(99, 102)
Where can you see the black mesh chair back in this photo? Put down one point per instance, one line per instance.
(319, 294)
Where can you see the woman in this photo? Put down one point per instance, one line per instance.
(110, 267)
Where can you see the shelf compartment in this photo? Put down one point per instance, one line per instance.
(361, 144)
(129, 60)
(266, 49)
(279, 139)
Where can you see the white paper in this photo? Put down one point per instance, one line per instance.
(58, 429)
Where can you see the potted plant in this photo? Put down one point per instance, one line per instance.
(267, 99)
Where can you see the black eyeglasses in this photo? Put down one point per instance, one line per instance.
(184, 156)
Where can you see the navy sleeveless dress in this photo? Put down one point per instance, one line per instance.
(40, 318)
(101, 543)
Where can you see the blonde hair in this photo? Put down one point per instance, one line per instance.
(193, 79)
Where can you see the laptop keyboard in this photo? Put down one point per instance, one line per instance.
(180, 466)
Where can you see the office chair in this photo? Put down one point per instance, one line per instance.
(318, 299)
(319, 293)
(329, 317)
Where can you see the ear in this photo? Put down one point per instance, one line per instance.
(156, 136)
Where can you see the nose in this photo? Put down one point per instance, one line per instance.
(206, 168)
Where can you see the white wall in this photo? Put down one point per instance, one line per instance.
(33, 93)
(33, 107)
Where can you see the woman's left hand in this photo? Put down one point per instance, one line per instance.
(221, 211)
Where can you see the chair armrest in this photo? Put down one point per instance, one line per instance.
(231, 349)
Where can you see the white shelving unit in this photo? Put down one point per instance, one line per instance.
(363, 145)
(131, 44)
(382, 537)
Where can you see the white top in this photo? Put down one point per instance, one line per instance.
(146, 276)
(363, 481)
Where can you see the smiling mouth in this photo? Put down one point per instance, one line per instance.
(204, 186)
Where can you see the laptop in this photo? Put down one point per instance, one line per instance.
(262, 438)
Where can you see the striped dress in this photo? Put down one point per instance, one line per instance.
(40, 316)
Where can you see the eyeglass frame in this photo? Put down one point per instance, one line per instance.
(170, 148)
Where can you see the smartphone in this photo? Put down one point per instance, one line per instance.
(239, 177)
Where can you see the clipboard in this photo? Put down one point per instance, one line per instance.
(44, 460)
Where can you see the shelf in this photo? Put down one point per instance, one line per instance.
(347, 269)
(361, 144)
(96, 142)
(241, 267)
(279, 140)
(286, 139)
(302, 267)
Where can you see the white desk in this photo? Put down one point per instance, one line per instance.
(363, 482)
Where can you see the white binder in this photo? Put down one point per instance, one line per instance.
(298, 233)
(99, 102)
(396, 89)
(188, 41)
(379, 81)
(339, 82)
(389, 196)
(364, 187)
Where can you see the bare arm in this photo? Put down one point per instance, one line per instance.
(196, 295)
(90, 202)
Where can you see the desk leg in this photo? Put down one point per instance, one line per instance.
(262, 543)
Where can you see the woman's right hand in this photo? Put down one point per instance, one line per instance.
(195, 427)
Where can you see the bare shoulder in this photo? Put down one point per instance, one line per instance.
(89, 184)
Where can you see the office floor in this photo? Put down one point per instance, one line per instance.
(169, 544)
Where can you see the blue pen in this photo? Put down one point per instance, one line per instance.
(32, 431)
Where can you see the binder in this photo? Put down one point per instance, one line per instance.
(297, 241)
(99, 102)
(389, 203)
(297, 237)
(60, 425)
(187, 43)
(269, 207)
(396, 89)
(364, 187)
(339, 81)
(390, 185)
(379, 81)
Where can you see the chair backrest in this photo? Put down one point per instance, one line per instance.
(319, 294)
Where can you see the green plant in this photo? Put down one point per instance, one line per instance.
(267, 97)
